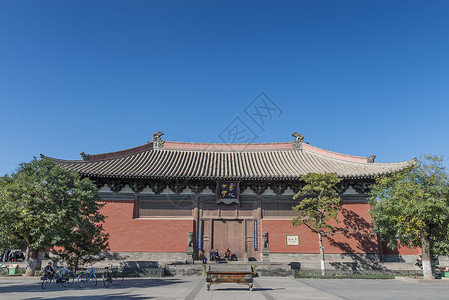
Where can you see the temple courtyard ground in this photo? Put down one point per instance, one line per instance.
(264, 288)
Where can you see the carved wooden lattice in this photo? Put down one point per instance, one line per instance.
(165, 208)
(279, 209)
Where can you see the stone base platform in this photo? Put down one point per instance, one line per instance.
(280, 264)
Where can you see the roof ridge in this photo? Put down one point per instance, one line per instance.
(357, 162)
(334, 154)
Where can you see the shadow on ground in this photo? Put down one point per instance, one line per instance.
(35, 285)
(115, 296)
(224, 289)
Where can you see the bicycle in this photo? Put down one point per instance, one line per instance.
(53, 276)
(60, 276)
(46, 279)
(111, 276)
(84, 278)
(67, 277)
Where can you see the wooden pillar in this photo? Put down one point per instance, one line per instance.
(196, 218)
(136, 205)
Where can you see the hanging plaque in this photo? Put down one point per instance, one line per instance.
(200, 234)
(256, 236)
(292, 239)
(228, 192)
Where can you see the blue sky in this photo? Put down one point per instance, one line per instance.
(356, 77)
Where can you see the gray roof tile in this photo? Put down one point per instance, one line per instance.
(271, 161)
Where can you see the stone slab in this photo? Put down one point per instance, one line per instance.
(265, 288)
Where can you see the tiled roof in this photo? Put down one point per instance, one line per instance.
(267, 161)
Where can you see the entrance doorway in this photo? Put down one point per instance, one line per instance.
(229, 234)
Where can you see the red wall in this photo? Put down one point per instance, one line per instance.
(359, 239)
(400, 250)
(149, 235)
(170, 235)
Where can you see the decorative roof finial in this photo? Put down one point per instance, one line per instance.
(370, 159)
(297, 142)
(84, 156)
(158, 143)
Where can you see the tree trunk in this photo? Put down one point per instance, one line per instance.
(27, 253)
(76, 263)
(31, 268)
(426, 263)
(323, 263)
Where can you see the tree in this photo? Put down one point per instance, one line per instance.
(87, 241)
(42, 205)
(319, 203)
(411, 208)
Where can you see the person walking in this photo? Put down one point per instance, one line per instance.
(7, 254)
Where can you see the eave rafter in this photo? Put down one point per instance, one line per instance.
(198, 186)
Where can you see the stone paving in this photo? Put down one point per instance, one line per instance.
(264, 288)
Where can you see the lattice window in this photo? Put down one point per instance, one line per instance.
(279, 209)
(245, 212)
(165, 208)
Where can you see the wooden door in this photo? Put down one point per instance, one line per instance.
(229, 234)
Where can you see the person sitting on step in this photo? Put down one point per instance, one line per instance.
(227, 254)
(203, 257)
(211, 255)
(216, 255)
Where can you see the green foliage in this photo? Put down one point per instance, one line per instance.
(413, 204)
(319, 202)
(87, 241)
(43, 205)
(8, 241)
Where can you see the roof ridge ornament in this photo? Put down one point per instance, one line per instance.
(298, 141)
(84, 156)
(158, 143)
(370, 159)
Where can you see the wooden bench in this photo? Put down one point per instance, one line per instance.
(229, 275)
